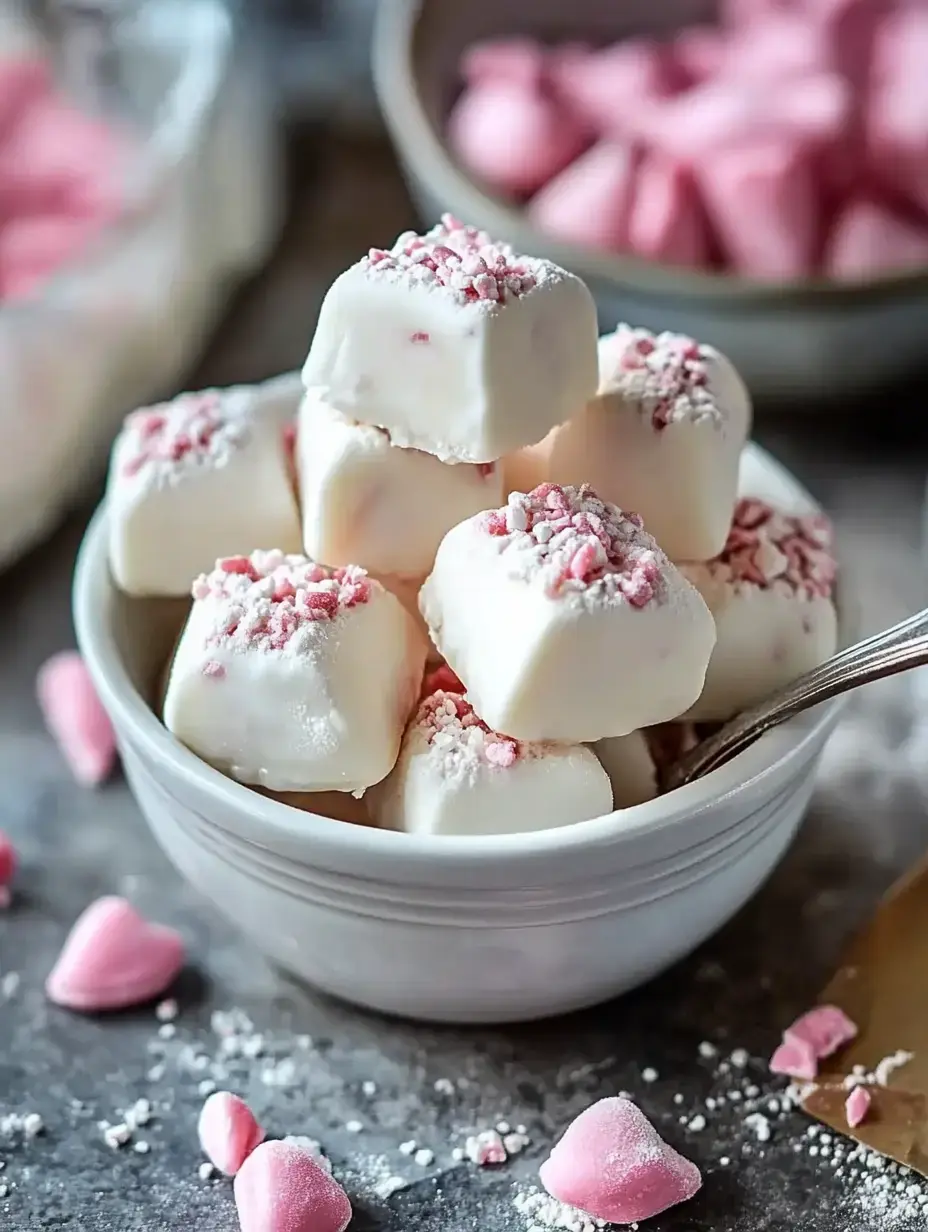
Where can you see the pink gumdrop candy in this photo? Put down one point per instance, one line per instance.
(114, 958)
(602, 86)
(666, 221)
(699, 53)
(826, 1028)
(589, 202)
(897, 115)
(512, 137)
(75, 718)
(764, 202)
(778, 46)
(7, 869)
(795, 1059)
(870, 240)
(511, 60)
(55, 157)
(33, 249)
(22, 82)
(281, 1188)
(856, 1106)
(613, 1164)
(228, 1131)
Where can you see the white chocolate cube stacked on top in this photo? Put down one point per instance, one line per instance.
(429, 362)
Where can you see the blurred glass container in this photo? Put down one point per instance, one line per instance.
(121, 326)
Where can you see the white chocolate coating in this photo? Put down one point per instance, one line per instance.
(662, 436)
(369, 502)
(557, 637)
(273, 691)
(455, 776)
(628, 762)
(770, 594)
(204, 476)
(456, 345)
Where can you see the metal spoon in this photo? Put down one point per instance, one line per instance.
(897, 649)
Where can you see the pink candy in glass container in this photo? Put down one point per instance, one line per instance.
(139, 182)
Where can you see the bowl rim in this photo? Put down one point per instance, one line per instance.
(425, 151)
(777, 753)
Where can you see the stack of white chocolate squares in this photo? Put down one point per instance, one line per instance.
(464, 463)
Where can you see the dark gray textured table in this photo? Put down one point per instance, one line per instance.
(735, 993)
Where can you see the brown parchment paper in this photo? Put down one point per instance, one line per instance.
(882, 984)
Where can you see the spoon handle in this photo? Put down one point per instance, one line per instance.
(894, 650)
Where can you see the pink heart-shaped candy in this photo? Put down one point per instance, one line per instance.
(74, 716)
(795, 1059)
(228, 1131)
(870, 240)
(281, 1188)
(114, 958)
(512, 136)
(613, 1164)
(588, 203)
(601, 87)
(765, 204)
(666, 222)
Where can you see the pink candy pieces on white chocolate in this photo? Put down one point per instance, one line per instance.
(662, 436)
(281, 1187)
(195, 479)
(113, 958)
(565, 620)
(454, 775)
(367, 501)
(770, 591)
(613, 1164)
(455, 344)
(294, 676)
(228, 1131)
(74, 716)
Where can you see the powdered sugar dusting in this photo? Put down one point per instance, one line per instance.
(777, 551)
(459, 739)
(175, 439)
(461, 261)
(666, 375)
(575, 543)
(272, 601)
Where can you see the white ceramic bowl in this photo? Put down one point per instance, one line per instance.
(793, 341)
(451, 929)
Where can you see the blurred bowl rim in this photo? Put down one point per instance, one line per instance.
(428, 156)
(778, 753)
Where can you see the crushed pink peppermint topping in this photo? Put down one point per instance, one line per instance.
(461, 259)
(575, 543)
(271, 601)
(666, 375)
(856, 1106)
(770, 549)
(452, 729)
(181, 435)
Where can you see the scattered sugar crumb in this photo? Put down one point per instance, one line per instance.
(116, 1136)
(424, 1157)
(9, 984)
(369, 1089)
(759, 1125)
(707, 1051)
(166, 1011)
(141, 1148)
(648, 1074)
(206, 1171)
(353, 1127)
(167, 1031)
(444, 1086)
(697, 1124)
(408, 1148)
(390, 1185)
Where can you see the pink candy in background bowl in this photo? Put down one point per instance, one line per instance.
(756, 175)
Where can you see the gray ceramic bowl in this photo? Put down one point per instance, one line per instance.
(791, 341)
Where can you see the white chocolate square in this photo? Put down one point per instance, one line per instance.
(628, 762)
(367, 501)
(204, 476)
(662, 437)
(456, 776)
(455, 344)
(564, 619)
(294, 677)
(770, 592)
